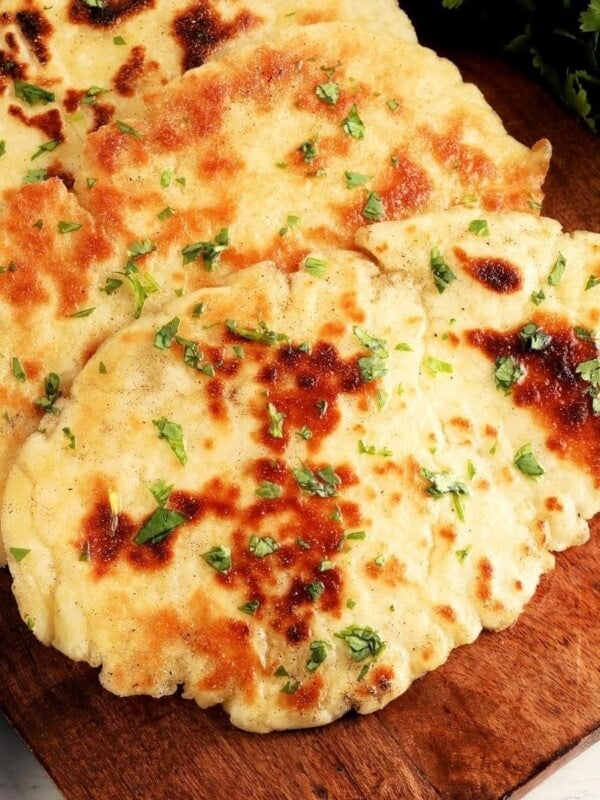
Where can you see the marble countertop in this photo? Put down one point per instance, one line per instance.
(22, 777)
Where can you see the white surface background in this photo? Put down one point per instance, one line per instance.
(22, 778)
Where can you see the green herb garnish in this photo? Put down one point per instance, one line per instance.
(172, 432)
(262, 546)
(508, 372)
(209, 251)
(526, 462)
(442, 274)
(160, 524)
(534, 337)
(353, 124)
(33, 94)
(323, 483)
(218, 558)
(328, 92)
(362, 643)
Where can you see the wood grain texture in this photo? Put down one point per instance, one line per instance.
(493, 716)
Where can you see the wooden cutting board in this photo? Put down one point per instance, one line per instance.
(492, 717)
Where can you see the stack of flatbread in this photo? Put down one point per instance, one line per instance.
(299, 390)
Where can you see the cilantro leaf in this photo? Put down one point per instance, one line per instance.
(159, 525)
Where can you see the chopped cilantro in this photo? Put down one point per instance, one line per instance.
(373, 366)
(19, 553)
(323, 483)
(354, 179)
(51, 393)
(309, 150)
(315, 267)
(251, 607)
(315, 589)
(442, 274)
(70, 436)
(18, 371)
(218, 558)
(47, 147)
(172, 432)
(119, 40)
(262, 546)
(269, 490)
(165, 214)
(165, 335)
(210, 251)
(159, 525)
(356, 536)
(436, 365)
(557, 271)
(35, 176)
(441, 483)
(291, 687)
(362, 643)
(537, 298)
(508, 372)
(590, 372)
(161, 491)
(593, 280)
(68, 227)
(353, 125)
(84, 312)
(462, 554)
(111, 285)
(371, 450)
(526, 462)
(275, 421)
(125, 128)
(318, 654)
(373, 209)
(262, 334)
(479, 227)
(33, 94)
(328, 92)
(534, 337)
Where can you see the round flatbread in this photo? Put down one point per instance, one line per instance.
(260, 495)
(291, 145)
(71, 66)
(253, 156)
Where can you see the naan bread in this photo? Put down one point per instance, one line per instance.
(212, 179)
(293, 144)
(273, 493)
(98, 63)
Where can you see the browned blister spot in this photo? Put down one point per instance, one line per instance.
(485, 572)
(49, 122)
(200, 29)
(304, 387)
(552, 390)
(496, 274)
(392, 572)
(112, 11)
(469, 163)
(306, 697)
(37, 31)
(130, 73)
(67, 260)
(447, 613)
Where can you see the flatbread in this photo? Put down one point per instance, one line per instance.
(341, 509)
(181, 199)
(293, 144)
(98, 63)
